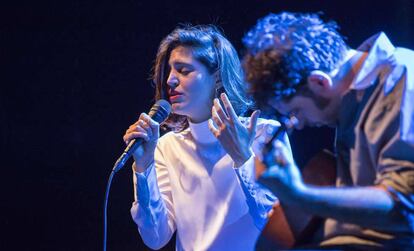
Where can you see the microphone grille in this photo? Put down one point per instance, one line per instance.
(160, 110)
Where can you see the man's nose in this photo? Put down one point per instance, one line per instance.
(297, 122)
(299, 126)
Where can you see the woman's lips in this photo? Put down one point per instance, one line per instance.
(175, 98)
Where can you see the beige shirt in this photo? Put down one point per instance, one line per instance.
(375, 141)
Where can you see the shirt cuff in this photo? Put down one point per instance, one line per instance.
(145, 186)
(246, 174)
(259, 199)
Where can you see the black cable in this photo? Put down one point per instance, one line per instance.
(108, 186)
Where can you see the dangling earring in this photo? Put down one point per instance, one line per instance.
(219, 85)
(219, 90)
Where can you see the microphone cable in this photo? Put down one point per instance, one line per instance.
(159, 112)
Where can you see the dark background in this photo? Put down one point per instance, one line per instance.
(74, 76)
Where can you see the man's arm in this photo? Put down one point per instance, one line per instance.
(373, 207)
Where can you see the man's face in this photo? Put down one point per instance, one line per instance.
(310, 110)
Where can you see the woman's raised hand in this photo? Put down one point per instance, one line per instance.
(235, 137)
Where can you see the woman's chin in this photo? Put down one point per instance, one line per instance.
(177, 108)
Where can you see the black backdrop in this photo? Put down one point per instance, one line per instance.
(75, 75)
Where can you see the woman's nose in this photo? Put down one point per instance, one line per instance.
(172, 80)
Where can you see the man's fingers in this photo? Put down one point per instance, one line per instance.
(279, 153)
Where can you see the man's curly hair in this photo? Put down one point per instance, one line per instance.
(282, 50)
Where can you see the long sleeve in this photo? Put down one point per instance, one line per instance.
(259, 199)
(152, 209)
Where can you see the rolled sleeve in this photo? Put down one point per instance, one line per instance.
(395, 170)
(400, 185)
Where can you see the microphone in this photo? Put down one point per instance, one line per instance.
(286, 125)
(159, 112)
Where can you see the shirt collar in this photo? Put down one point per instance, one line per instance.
(379, 48)
(201, 132)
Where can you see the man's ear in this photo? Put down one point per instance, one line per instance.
(320, 83)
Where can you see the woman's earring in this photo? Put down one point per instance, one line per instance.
(219, 90)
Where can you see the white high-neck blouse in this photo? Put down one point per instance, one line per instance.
(194, 188)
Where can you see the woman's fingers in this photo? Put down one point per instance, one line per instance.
(223, 115)
(133, 135)
(228, 107)
(220, 111)
(152, 125)
(213, 127)
(144, 127)
(253, 121)
(216, 117)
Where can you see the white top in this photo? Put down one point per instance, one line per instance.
(195, 189)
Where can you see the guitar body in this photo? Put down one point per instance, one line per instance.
(289, 226)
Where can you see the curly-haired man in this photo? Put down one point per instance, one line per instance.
(301, 66)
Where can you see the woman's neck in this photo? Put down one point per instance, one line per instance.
(198, 119)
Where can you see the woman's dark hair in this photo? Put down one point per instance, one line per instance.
(213, 50)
